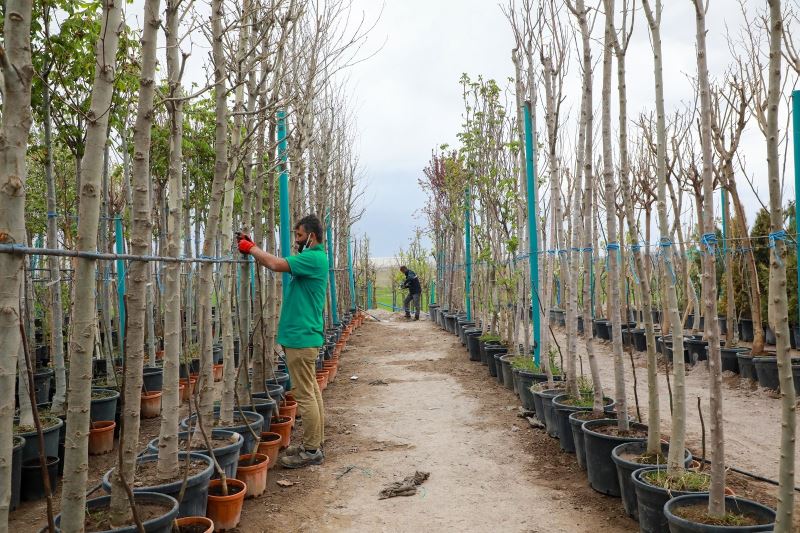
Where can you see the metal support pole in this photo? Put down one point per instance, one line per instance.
(796, 138)
(468, 253)
(533, 251)
(369, 296)
(286, 240)
(332, 270)
(120, 283)
(350, 274)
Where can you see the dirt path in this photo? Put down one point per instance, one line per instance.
(489, 470)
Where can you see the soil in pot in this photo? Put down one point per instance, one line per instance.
(653, 491)
(226, 446)
(51, 428)
(16, 471)
(689, 513)
(252, 471)
(32, 488)
(194, 524)
(101, 437)
(600, 438)
(226, 511)
(157, 512)
(282, 425)
(200, 469)
(270, 446)
(266, 407)
(629, 457)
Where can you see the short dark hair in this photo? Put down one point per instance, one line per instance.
(311, 224)
(403, 267)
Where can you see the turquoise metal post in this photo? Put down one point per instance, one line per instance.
(433, 293)
(369, 296)
(350, 274)
(533, 251)
(332, 270)
(286, 239)
(723, 198)
(120, 283)
(796, 137)
(467, 253)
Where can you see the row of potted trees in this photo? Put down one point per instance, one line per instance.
(617, 462)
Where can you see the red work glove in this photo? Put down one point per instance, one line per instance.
(245, 243)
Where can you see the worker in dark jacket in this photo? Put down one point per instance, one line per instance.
(414, 292)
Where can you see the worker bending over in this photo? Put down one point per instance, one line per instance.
(414, 292)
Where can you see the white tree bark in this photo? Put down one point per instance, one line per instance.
(84, 312)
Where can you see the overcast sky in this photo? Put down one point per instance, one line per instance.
(408, 97)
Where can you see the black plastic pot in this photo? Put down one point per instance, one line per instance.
(196, 494)
(255, 420)
(42, 384)
(547, 408)
(626, 467)
(695, 349)
(16, 470)
(50, 434)
(491, 351)
(602, 329)
(473, 344)
(746, 329)
(576, 426)
(192, 367)
(794, 338)
(562, 411)
(32, 488)
(508, 376)
(524, 382)
(767, 371)
(280, 378)
(769, 335)
(266, 407)
(226, 456)
(747, 369)
(463, 326)
(159, 524)
(730, 359)
(651, 500)
(639, 340)
(432, 311)
(723, 325)
(600, 468)
(152, 378)
(103, 409)
(759, 513)
(450, 322)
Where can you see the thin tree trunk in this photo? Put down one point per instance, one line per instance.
(84, 312)
(168, 468)
(778, 309)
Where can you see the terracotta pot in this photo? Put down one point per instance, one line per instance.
(194, 522)
(322, 379)
(101, 437)
(332, 367)
(270, 446)
(282, 425)
(253, 475)
(187, 388)
(151, 404)
(290, 397)
(159, 355)
(217, 372)
(226, 511)
(288, 408)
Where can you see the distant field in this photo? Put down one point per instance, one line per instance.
(383, 291)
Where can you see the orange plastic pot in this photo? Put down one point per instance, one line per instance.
(225, 511)
(193, 523)
(159, 355)
(151, 404)
(290, 397)
(332, 367)
(270, 446)
(101, 437)
(217, 372)
(253, 475)
(321, 382)
(288, 408)
(187, 388)
(325, 375)
(282, 425)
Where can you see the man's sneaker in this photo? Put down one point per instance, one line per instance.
(416, 317)
(302, 459)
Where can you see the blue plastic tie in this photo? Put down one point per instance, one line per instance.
(52, 214)
(774, 237)
(709, 240)
(636, 247)
(588, 249)
(563, 251)
(665, 243)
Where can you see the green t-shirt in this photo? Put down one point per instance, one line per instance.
(301, 324)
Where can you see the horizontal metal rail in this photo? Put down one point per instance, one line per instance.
(25, 250)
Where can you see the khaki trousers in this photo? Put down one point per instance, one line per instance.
(302, 363)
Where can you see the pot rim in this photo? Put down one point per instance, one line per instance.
(729, 501)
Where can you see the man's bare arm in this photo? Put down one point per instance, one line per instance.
(272, 262)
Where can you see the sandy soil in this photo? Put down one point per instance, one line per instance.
(419, 404)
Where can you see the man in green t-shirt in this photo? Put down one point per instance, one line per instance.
(301, 331)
